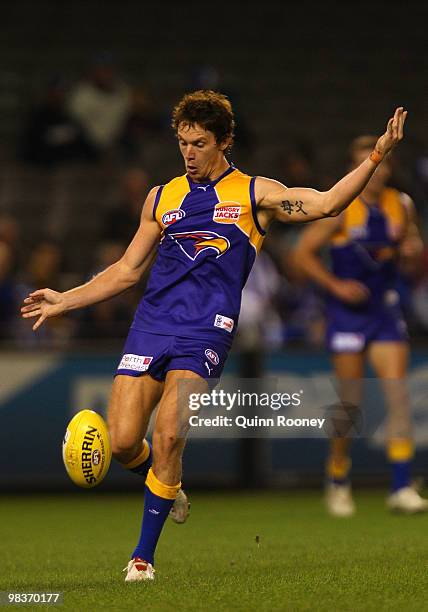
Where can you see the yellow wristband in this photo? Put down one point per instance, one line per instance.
(376, 157)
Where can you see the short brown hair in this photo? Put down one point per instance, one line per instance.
(360, 144)
(209, 109)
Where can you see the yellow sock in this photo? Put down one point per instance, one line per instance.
(159, 488)
(338, 467)
(399, 449)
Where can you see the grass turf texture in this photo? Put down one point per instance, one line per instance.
(304, 560)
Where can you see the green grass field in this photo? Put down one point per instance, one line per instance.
(304, 560)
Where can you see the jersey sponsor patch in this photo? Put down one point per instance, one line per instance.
(172, 216)
(139, 363)
(224, 322)
(212, 356)
(226, 212)
(347, 341)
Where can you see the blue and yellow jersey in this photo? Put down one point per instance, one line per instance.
(210, 238)
(364, 247)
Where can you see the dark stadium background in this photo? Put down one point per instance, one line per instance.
(304, 79)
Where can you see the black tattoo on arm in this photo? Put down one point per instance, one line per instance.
(290, 207)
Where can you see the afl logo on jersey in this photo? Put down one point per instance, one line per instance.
(212, 356)
(172, 216)
(226, 212)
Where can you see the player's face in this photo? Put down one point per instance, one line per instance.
(381, 174)
(201, 153)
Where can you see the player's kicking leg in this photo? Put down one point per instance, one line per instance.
(141, 464)
(132, 403)
(163, 477)
(133, 400)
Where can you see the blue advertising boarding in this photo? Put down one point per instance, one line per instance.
(40, 393)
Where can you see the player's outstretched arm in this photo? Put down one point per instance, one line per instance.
(298, 204)
(46, 303)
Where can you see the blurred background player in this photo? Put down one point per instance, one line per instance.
(207, 227)
(364, 320)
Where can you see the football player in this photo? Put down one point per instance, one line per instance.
(207, 226)
(364, 320)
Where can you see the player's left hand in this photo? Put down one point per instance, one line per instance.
(394, 132)
(43, 303)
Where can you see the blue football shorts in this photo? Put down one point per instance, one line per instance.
(351, 330)
(156, 354)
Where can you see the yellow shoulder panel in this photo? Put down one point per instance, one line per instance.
(392, 207)
(352, 217)
(171, 197)
(237, 190)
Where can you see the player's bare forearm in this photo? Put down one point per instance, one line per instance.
(347, 189)
(307, 252)
(112, 281)
(46, 303)
(311, 264)
(351, 185)
(300, 205)
(307, 257)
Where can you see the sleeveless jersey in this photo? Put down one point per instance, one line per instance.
(364, 246)
(210, 238)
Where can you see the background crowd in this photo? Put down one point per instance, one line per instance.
(74, 179)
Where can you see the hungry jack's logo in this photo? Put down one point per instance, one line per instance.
(194, 243)
(227, 212)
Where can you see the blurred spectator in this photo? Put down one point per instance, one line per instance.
(303, 312)
(296, 166)
(260, 326)
(302, 306)
(122, 221)
(144, 121)
(44, 264)
(419, 299)
(101, 104)
(109, 319)
(209, 77)
(51, 135)
(10, 232)
(421, 170)
(44, 269)
(8, 305)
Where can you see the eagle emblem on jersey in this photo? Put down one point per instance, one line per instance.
(194, 243)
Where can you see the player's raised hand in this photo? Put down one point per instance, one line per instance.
(43, 303)
(394, 132)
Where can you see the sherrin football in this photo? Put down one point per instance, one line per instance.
(86, 449)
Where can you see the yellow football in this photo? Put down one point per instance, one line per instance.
(86, 449)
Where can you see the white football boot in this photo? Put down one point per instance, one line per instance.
(407, 500)
(338, 500)
(181, 508)
(138, 570)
